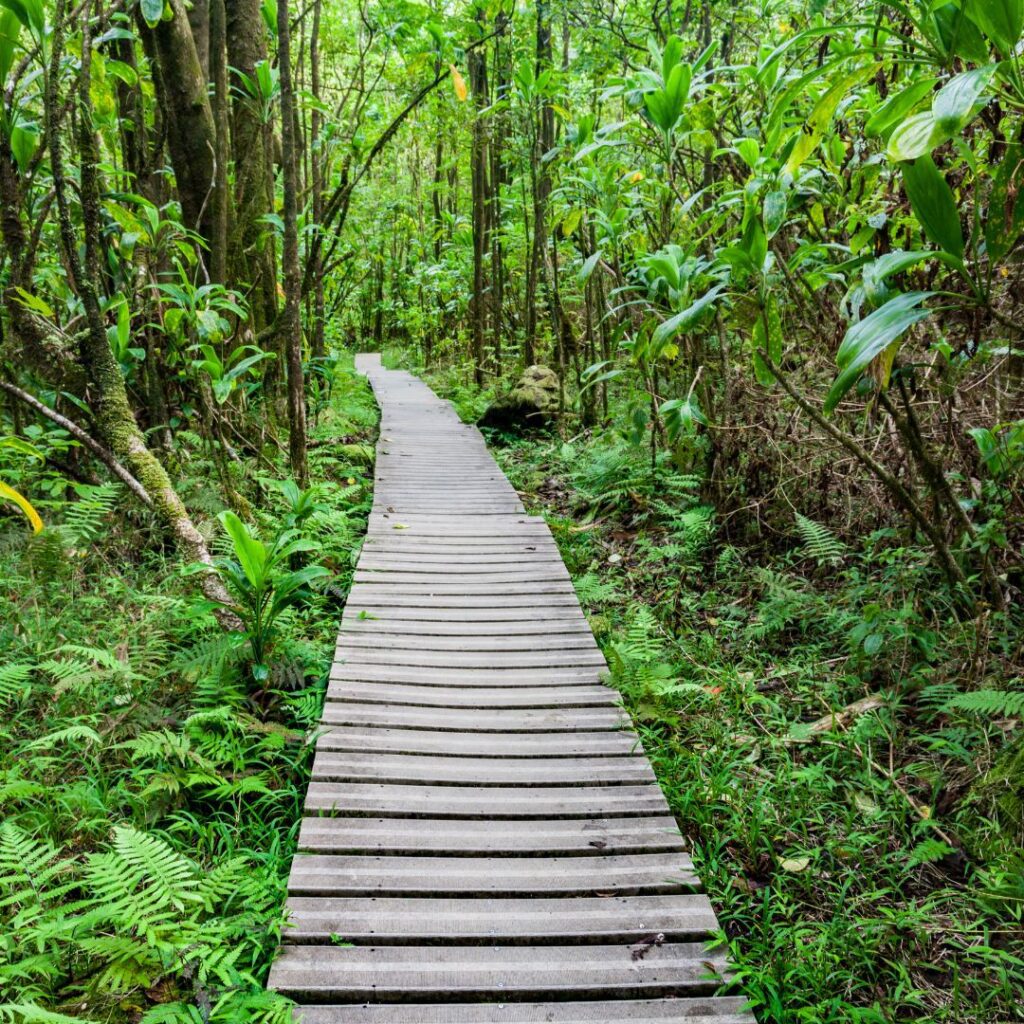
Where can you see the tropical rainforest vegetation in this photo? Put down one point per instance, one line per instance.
(772, 249)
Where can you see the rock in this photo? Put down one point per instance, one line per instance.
(531, 404)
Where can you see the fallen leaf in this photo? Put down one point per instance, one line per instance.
(795, 864)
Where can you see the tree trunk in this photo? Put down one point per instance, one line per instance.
(108, 398)
(292, 323)
(191, 136)
(478, 169)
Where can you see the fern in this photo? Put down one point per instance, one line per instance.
(592, 590)
(928, 851)
(819, 542)
(995, 703)
(14, 679)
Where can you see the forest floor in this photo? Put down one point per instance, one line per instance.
(151, 789)
(799, 706)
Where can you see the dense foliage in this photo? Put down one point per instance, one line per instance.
(772, 249)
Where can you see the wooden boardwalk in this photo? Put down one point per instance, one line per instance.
(484, 838)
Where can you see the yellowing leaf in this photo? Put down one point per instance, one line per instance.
(24, 504)
(461, 92)
(795, 864)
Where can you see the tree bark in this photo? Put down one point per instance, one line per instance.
(292, 323)
(191, 136)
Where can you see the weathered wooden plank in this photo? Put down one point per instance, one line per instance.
(352, 641)
(385, 652)
(410, 695)
(478, 744)
(452, 575)
(425, 800)
(622, 875)
(340, 766)
(382, 920)
(403, 973)
(719, 1010)
(474, 719)
(519, 615)
(571, 627)
(503, 837)
(587, 676)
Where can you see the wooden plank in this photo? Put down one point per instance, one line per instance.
(475, 720)
(426, 675)
(362, 766)
(719, 1010)
(478, 744)
(571, 628)
(366, 611)
(383, 920)
(453, 575)
(386, 653)
(503, 837)
(403, 973)
(622, 875)
(410, 695)
(353, 641)
(386, 800)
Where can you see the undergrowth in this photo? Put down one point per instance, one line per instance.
(843, 751)
(150, 796)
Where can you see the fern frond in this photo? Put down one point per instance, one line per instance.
(819, 542)
(995, 703)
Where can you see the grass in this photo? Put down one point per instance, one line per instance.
(865, 867)
(150, 804)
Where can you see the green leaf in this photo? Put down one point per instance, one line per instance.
(588, 267)
(10, 29)
(1001, 20)
(686, 319)
(749, 151)
(24, 140)
(250, 552)
(897, 106)
(774, 213)
(152, 11)
(767, 342)
(954, 103)
(917, 136)
(933, 204)
(868, 338)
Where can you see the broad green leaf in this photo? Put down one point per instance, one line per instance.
(774, 213)
(152, 11)
(24, 140)
(686, 319)
(933, 204)
(749, 151)
(571, 222)
(588, 268)
(868, 338)
(897, 106)
(681, 414)
(954, 103)
(1001, 20)
(767, 342)
(10, 29)
(251, 553)
(877, 272)
(917, 136)
(821, 116)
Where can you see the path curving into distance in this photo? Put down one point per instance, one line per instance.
(484, 840)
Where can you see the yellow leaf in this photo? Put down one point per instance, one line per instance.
(459, 82)
(794, 864)
(571, 222)
(24, 504)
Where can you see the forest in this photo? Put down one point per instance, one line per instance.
(735, 289)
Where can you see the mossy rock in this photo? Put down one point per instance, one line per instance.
(530, 405)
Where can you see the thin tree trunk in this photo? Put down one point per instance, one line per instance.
(292, 323)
